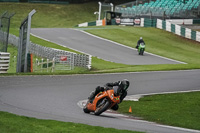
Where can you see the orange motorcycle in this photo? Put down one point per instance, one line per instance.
(102, 101)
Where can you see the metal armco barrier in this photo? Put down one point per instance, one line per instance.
(4, 62)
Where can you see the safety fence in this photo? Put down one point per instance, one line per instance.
(79, 60)
(4, 30)
(59, 63)
(4, 62)
(44, 65)
(178, 30)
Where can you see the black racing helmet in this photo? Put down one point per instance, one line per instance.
(125, 84)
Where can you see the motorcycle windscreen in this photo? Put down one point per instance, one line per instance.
(116, 90)
(142, 45)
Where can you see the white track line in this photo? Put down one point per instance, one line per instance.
(138, 96)
(179, 128)
(58, 44)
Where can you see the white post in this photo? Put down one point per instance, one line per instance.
(53, 66)
(47, 65)
(41, 65)
(14, 62)
(36, 66)
(99, 11)
(111, 7)
(90, 62)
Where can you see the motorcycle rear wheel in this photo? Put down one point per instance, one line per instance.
(102, 108)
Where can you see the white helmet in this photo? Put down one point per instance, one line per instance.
(141, 38)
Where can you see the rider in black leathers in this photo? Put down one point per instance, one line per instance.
(123, 86)
(140, 41)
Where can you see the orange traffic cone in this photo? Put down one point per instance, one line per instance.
(130, 110)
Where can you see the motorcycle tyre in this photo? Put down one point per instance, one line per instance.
(85, 109)
(141, 52)
(104, 108)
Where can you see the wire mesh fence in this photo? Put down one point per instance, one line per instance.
(44, 65)
(4, 30)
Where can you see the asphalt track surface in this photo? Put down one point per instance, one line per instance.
(56, 97)
(95, 46)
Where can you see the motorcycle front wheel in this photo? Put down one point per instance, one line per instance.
(102, 108)
(85, 108)
(141, 52)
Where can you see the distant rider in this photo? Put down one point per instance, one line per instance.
(140, 41)
(123, 86)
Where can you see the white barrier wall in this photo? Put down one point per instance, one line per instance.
(83, 24)
(159, 24)
(99, 23)
(198, 36)
(188, 33)
(168, 26)
(178, 30)
(142, 22)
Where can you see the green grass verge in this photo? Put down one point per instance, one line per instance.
(180, 109)
(13, 59)
(10, 123)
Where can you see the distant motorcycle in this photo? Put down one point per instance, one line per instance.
(141, 48)
(103, 101)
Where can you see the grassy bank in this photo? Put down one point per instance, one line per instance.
(51, 15)
(157, 41)
(10, 123)
(181, 110)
